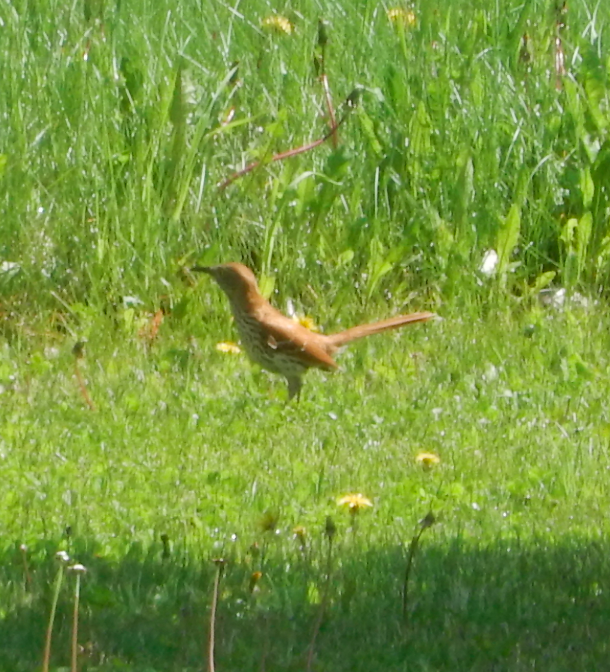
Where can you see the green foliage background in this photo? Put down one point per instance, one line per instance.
(116, 133)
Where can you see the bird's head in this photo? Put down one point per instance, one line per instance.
(236, 280)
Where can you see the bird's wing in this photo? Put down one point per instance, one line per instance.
(290, 337)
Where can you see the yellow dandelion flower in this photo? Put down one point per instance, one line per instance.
(255, 577)
(228, 347)
(427, 460)
(355, 501)
(277, 24)
(306, 321)
(400, 16)
(299, 532)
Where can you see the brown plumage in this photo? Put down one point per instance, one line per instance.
(278, 343)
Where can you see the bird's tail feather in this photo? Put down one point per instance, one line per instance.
(362, 330)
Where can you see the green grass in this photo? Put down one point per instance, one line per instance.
(108, 174)
(199, 448)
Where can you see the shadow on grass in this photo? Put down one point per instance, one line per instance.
(503, 607)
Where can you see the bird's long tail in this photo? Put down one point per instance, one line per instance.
(362, 330)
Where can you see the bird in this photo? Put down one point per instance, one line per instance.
(278, 343)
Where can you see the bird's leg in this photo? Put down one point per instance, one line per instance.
(294, 387)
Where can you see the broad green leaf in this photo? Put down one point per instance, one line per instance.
(420, 131)
(368, 129)
(508, 236)
(574, 105)
(345, 257)
(266, 285)
(567, 232)
(542, 281)
(583, 236)
(570, 269)
(464, 193)
(587, 187)
(595, 87)
(381, 269)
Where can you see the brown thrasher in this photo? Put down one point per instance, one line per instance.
(276, 342)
